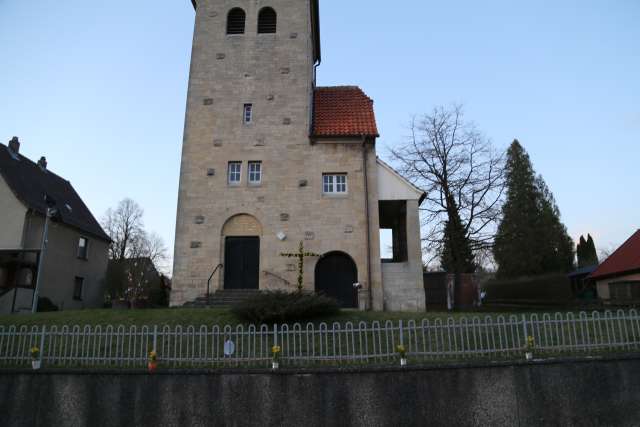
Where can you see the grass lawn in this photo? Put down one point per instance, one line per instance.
(198, 317)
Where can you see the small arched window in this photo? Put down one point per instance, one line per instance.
(267, 21)
(235, 21)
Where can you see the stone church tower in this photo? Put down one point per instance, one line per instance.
(270, 160)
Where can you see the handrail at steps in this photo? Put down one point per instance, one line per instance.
(215, 270)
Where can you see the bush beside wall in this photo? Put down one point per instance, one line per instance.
(552, 289)
(283, 307)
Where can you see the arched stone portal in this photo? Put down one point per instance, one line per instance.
(241, 240)
(335, 275)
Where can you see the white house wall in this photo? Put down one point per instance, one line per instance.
(393, 187)
(12, 212)
(603, 285)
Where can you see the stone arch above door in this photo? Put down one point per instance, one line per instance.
(242, 225)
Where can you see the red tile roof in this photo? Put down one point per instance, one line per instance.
(625, 259)
(343, 111)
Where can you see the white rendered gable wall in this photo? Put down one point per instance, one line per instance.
(12, 212)
(392, 186)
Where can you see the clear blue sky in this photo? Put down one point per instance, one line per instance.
(100, 89)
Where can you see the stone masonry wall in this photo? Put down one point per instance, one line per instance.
(274, 72)
(403, 282)
(561, 393)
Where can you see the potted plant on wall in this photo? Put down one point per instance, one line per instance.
(35, 358)
(275, 359)
(153, 361)
(529, 348)
(402, 351)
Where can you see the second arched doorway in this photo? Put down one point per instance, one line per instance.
(335, 275)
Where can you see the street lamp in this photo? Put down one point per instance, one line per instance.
(51, 212)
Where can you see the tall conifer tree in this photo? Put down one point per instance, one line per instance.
(456, 256)
(591, 255)
(531, 238)
(580, 250)
(587, 255)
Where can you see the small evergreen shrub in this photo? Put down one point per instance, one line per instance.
(46, 305)
(285, 307)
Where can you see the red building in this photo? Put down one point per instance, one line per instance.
(618, 277)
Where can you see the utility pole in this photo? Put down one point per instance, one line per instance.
(45, 236)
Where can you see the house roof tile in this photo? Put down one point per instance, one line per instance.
(625, 259)
(30, 184)
(343, 111)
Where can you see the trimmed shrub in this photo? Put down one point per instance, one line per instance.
(284, 307)
(548, 289)
(46, 305)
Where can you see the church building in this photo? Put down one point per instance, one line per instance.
(270, 159)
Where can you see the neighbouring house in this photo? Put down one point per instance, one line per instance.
(270, 159)
(75, 259)
(618, 277)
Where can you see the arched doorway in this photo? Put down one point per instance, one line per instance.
(335, 275)
(241, 240)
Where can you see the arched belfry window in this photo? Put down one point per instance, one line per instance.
(235, 21)
(267, 21)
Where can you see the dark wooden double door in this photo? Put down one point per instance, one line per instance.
(242, 263)
(336, 273)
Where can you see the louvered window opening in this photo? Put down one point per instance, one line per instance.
(236, 21)
(267, 21)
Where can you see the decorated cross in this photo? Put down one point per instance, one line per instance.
(301, 255)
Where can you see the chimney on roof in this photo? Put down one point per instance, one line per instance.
(14, 145)
(43, 163)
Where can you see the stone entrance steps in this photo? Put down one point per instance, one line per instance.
(223, 298)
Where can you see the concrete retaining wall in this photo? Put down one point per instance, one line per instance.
(566, 393)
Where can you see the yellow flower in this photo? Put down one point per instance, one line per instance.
(275, 349)
(530, 342)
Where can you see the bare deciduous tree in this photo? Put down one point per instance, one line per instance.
(135, 254)
(125, 227)
(461, 173)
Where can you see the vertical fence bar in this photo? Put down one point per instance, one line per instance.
(524, 330)
(155, 338)
(42, 339)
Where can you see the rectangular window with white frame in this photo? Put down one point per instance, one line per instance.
(248, 114)
(255, 173)
(83, 248)
(234, 175)
(334, 183)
